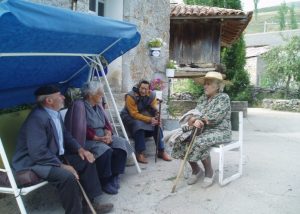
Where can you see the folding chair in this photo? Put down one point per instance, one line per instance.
(17, 192)
(232, 146)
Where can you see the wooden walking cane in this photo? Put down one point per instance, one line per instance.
(83, 192)
(158, 129)
(195, 130)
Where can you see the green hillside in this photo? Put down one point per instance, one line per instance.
(270, 16)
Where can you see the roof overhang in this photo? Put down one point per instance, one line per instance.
(233, 22)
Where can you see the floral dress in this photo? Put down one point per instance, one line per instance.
(217, 111)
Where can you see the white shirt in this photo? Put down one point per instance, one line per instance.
(55, 116)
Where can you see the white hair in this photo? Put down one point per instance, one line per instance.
(91, 88)
(41, 99)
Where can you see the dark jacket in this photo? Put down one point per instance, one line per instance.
(37, 144)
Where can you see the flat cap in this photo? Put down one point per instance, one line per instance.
(46, 90)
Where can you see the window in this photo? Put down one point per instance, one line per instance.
(97, 6)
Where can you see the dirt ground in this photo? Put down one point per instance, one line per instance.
(270, 182)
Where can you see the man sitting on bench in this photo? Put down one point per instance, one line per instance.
(42, 145)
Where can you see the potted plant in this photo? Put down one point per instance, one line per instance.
(155, 46)
(157, 85)
(171, 67)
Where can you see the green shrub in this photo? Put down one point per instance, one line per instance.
(188, 85)
(16, 109)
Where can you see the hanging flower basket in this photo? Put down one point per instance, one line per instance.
(155, 46)
(155, 52)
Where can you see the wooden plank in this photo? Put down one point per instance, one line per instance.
(189, 74)
(216, 43)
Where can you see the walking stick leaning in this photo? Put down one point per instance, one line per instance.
(195, 130)
(84, 193)
(158, 130)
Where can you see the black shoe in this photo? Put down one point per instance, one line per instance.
(99, 208)
(116, 182)
(109, 189)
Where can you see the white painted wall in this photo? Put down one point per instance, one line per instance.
(114, 9)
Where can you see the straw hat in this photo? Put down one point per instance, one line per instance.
(211, 75)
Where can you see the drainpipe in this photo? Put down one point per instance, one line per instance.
(74, 5)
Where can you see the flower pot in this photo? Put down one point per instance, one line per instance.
(155, 52)
(170, 72)
(158, 94)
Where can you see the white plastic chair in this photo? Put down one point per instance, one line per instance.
(232, 146)
(17, 192)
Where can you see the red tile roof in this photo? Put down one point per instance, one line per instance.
(183, 10)
(233, 21)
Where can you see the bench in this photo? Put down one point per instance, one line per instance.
(9, 127)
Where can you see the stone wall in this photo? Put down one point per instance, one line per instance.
(282, 105)
(153, 20)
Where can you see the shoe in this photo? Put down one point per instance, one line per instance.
(116, 182)
(207, 182)
(99, 208)
(194, 178)
(109, 189)
(163, 155)
(140, 157)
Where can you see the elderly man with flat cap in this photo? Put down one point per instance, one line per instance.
(42, 145)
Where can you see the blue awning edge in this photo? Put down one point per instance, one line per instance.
(41, 45)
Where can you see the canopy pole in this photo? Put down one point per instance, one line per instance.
(117, 113)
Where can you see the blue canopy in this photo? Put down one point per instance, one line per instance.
(47, 45)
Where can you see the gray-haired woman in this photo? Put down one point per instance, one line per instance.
(214, 117)
(87, 121)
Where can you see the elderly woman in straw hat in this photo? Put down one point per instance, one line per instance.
(213, 115)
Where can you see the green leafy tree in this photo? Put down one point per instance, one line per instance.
(220, 3)
(294, 24)
(283, 65)
(283, 9)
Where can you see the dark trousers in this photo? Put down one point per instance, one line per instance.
(139, 139)
(111, 163)
(69, 191)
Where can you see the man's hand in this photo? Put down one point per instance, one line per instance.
(154, 121)
(70, 169)
(84, 154)
(198, 124)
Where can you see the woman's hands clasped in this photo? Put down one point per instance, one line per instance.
(107, 138)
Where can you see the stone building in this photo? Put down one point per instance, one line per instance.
(259, 43)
